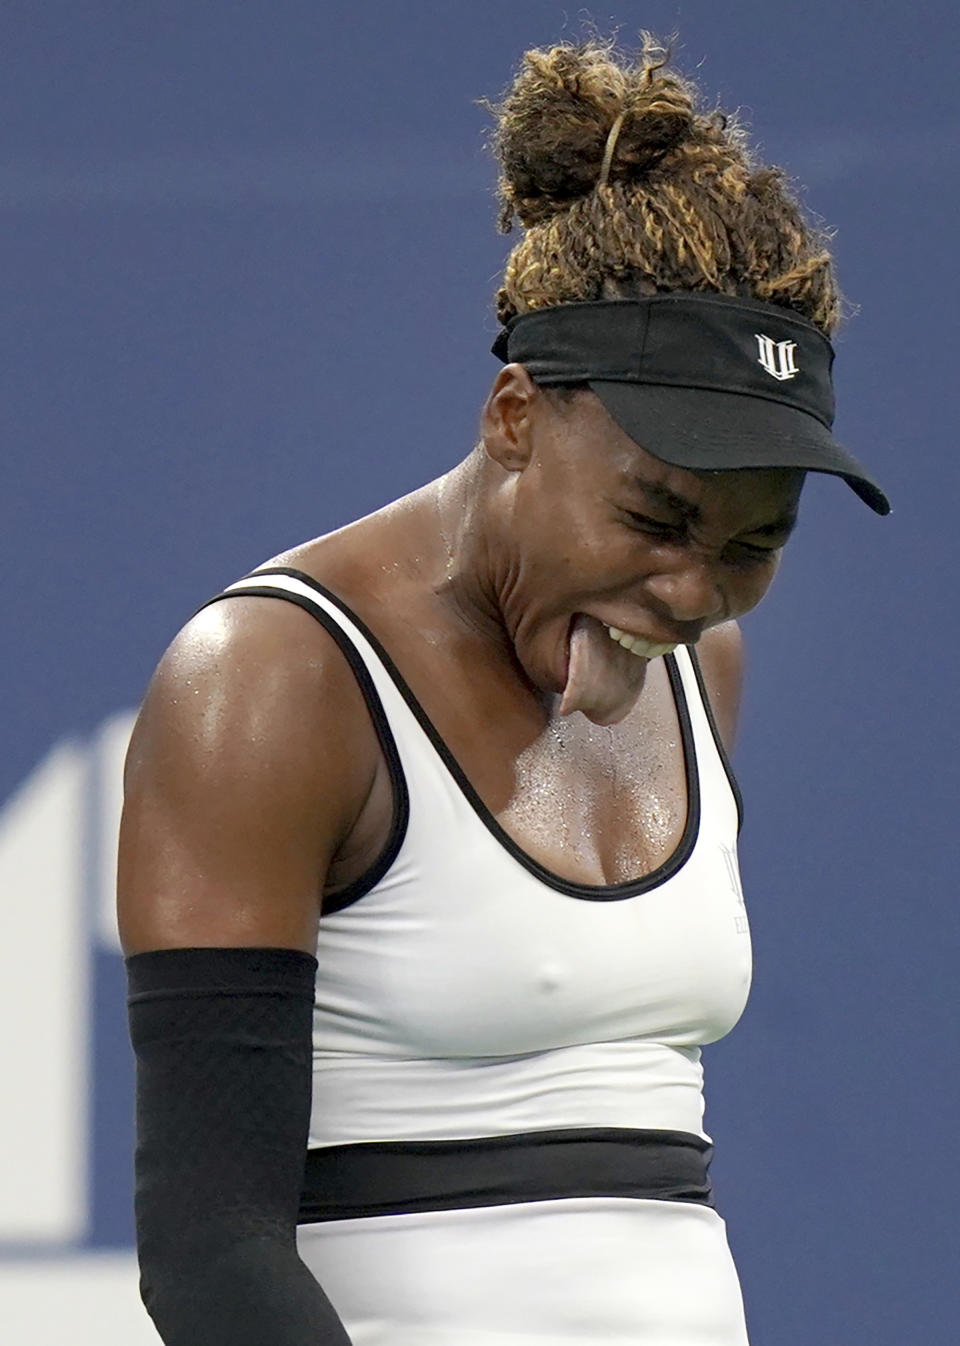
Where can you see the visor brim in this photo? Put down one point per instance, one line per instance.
(703, 429)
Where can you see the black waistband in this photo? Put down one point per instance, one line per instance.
(396, 1177)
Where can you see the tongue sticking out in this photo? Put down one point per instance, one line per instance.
(603, 679)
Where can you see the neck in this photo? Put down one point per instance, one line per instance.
(469, 584)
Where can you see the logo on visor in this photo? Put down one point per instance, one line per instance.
(777, 357)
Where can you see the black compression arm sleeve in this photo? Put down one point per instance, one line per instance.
(223, 1045)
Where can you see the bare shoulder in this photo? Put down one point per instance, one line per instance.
(249, 763)
(720, 653)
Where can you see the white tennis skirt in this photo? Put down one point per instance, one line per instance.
(582, 1271)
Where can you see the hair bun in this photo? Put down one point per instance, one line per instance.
(556, 118)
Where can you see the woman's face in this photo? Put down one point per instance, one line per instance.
(606, 554)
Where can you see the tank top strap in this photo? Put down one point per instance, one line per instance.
(718, 781)
(423, 790)
(391, 704)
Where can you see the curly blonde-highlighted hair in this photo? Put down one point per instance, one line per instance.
(626, 187)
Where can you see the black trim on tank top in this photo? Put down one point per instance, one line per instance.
(359, 887)
(721, 747)
(588, 892)
(344, 1182)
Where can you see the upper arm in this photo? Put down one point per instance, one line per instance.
(250, 761)
(720, 652)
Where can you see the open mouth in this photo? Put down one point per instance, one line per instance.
(644, 649)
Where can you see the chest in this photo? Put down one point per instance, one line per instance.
(595, 804)
(465, 948)
(462, 951)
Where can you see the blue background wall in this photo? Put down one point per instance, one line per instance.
(247, 257)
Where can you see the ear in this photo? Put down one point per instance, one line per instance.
(505, 423)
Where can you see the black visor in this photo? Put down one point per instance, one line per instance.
(701, 381)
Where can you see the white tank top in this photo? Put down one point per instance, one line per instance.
(465, 991)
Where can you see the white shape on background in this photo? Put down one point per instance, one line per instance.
(110, 750)
(44, 1005)
(86, 1300)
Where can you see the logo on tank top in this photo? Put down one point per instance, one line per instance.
(733, 875)
(777, 357)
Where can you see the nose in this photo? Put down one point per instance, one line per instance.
(690, 593)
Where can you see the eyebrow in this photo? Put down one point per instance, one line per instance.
(690, 512)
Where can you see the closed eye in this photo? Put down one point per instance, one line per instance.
(746, 554)
(757, 550)
(746, 551)
(655, 527)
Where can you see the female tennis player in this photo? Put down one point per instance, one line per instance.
(428, 869)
